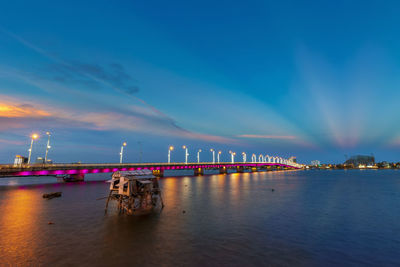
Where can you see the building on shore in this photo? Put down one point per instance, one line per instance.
(315, 163)
(358, 160)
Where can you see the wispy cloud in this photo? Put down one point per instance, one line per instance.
(11, 142)
(19, 111)
(22, 114)
(91, 75)
(93, 72)
(257, 136)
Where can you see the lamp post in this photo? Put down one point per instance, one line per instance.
(186, 154)
(244, 157)
(219, 153)
(232, 156)
(198, 156)
(260, 158)
(213, 153)
(47, 147)
(253, 158)
(33, 137)
(169, 153)
(122, 152)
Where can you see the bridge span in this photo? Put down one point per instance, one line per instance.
(80, 169)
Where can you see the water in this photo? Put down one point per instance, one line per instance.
(312, 218)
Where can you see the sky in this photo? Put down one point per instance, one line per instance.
(311, 79)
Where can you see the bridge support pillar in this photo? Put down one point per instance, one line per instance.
(223, 170)
(199, 171)
(158, 173)
(254, 169)
(240, 169)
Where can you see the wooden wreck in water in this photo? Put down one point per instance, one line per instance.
(136, 192)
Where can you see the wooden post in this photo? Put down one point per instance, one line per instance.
(199, 171)
(223, 170)
(158, 173)
(239, 169)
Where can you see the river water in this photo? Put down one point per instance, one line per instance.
(311, 218)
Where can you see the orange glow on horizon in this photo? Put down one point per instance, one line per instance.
(11, 111)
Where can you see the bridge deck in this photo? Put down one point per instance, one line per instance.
(85, 168)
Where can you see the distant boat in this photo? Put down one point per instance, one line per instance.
(69, 178)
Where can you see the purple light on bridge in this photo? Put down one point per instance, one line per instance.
(105, 170)
(115, 169)
(72, 171)
(43, 172)
(95, 170)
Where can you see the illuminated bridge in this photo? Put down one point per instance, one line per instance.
(79, 170)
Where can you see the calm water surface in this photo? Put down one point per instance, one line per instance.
(312, 218)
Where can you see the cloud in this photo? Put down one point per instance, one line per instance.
(284, 137)
(28, 115)
(19, 111)
(290, 138)
(90, 75)
(11, 142)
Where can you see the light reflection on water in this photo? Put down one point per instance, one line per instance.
(311, 218)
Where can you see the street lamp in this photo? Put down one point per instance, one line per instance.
(253, 158)
(260, 158)
(213, 152)
(232, 156)
(169, 153)
(122, 152)
(244, 157)
(186, 153)
(198, 156)
(33, 137)
(47, 147)
(219, 153)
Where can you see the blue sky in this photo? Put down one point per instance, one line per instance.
(312, 79)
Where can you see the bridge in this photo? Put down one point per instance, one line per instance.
(79, 170)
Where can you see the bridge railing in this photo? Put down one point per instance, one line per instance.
(69, 165)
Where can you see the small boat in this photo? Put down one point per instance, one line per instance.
(136, 192)
(52, 195)
(71, 178)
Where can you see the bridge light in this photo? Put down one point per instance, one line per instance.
(186, 153)
(121, 154)
(198, 156)
(213, 154)
(47, 146)
(232, 156)
(169, 153)
(33, 137)
(219, 153)
(244, 157)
